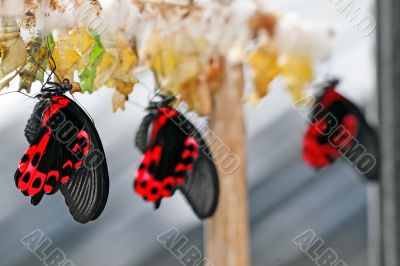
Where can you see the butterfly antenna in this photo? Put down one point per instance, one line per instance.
(41, 67)
(51, 61)
(27, 95)
(37, 63)
(137, 104)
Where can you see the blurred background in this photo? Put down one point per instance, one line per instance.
(286, 197)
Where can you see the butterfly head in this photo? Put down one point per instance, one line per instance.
(331, 83)
(51, 89)
(165, 100)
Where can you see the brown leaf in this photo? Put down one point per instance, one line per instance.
(6, 83)
(37, 55)
(124, 88)
(97, 6)
(57, 6)
(13, 55)
(216, 74)
(76, 87)
(118, 101)
(262, 21)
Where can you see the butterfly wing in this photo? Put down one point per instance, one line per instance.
(66, 153)
(178, 158)
(141, 139)
(156, 177)
(324, 144)
(368, 138)
(87, 190)
(33, 125)
(40, 169)
(201, 188)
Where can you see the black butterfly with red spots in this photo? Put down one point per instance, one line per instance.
(175, 157)
(65, 154)
(338, 129)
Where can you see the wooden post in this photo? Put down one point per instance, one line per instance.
(388, 40)
(227, 235)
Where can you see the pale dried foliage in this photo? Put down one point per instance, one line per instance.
(187, 44)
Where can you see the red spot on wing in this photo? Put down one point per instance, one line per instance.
(31, 179)
(154, 190)
(67, 164)
(165, 113)
(318, 152)
(330, 96)
(51, 181)
(59, 102)
(48, 188)
(36, 183)
(65, 179)
(82, 135)
(146, 185)
(180, 167)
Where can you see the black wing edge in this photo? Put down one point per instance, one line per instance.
(85, 198)
(369, 138)
(87, 191)
(201, 188)
(34, 122)
(141, 139)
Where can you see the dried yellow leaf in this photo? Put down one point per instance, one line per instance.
(118, 101)
(297, 72)
(164, 62)
(125, 88)
(264, 68)
(81, 39)
(71, 52)
(105, 70)
(76, 87)
(66, 59)
(37, 55)
(128, 59)
(13, 51)
(116, 69)
(13, 56)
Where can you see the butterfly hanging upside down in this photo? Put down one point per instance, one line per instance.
(175, 157)
(65, 154)
(338, 129)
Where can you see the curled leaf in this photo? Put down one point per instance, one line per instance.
(76, 87)
(88, 74)
(13, 52)
(118, 101)
(6, 82)
(71, 52)
(297, 72)
(264, 66)
(215, 74)
(263, 21)
(105, 69)
(37, 56)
